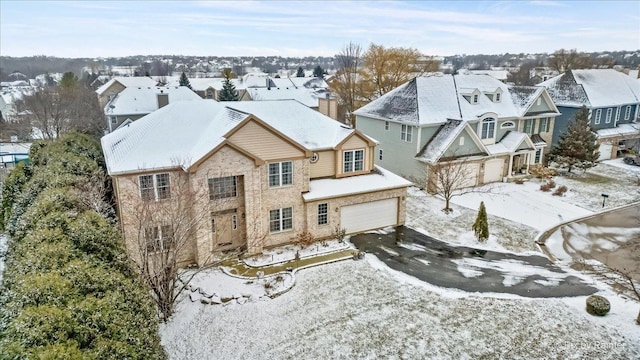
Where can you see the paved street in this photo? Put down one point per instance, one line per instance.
(468, 269)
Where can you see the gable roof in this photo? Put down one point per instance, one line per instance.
(182, 133)
(443, 138)
(144, 100)
(510, 143)
(434, 99)
(593, 88)
(127, 82)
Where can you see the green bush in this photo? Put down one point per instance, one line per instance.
(12, 186)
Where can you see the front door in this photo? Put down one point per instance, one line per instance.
(226, 230)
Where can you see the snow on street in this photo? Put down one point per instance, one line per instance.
(362, 309)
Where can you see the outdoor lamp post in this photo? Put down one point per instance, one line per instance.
(604, 198)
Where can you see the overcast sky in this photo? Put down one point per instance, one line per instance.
(320, 28)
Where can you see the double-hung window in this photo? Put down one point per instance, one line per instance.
(406, 133)
(223, 187)
(538, 157)
(353, 160)
(598, 116)
(609, 114)
(529, 125)
(159, 238)
(281, 219)
(627, 112)
(154, 187)
(544, 125)
(386, 125)
(618, 111)
(281, 173)
(323, 214)
(488, 128)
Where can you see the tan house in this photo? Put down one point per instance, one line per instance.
(258, 174)
(117, 84)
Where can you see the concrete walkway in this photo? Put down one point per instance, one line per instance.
(468, 269)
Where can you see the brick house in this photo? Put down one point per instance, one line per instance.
(263, 173)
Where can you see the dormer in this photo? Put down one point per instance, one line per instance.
(494, 96)
(473, 97)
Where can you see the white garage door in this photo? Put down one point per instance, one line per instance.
(368, 216)
(470, 173)
(493, 170)
(605, 151)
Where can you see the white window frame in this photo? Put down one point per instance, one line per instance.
(491, 123)
(507, 125)
(618, 112)
(160, 192)
(537, 157)
(627, 112)
(598, 116)
(113, 119)
(279, 176)
(609, 116)
(475, 98)
(227, 184)
(543, 125)
(531, 128)
(497, 97)
(406, 133)
(350, 162)
(159, 236)
(323, 214)
(386, 126)
(380, 154)
(277, 217)
(461, 141)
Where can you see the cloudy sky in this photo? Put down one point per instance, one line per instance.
(288, 28)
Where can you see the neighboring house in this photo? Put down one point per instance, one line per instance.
(133, 103)
(210, 88)
(491, 129)
(316, 99)
(13, 153)
(501, 75)
(613, 100)
(114, 86)
(265, 173)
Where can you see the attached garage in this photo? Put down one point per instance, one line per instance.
(493, 170)
(606, 148)
(370, 215)
(470, 173)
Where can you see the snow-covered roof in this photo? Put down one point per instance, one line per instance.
(134, 81)
(441, 141)
(311, 83)
(202, 84)
(620, 130)
(182, 133)
(510, 143)
(496, 74)
(593, 88)
(308, 97)
(144, 100)
(375, 181)
(433, 99)
(14, 148)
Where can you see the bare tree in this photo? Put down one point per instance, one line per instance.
(564, 60)
(346, 82)
(448, 179)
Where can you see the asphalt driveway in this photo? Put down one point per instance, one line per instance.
(469, 269)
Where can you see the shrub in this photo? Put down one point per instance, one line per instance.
(542, 172)
(598, 305)
(519, 181)
(545, 187)
(560, 191)
(305, 239)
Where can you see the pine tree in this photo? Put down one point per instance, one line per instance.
(577, 146)
(481, 226)
(300, 72)
(184, 81)
(228, 92)
(318, 72)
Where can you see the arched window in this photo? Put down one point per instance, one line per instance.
(507, 124)
(488, 128)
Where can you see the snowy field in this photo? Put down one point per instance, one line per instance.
(363, 310)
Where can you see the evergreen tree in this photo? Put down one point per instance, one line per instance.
(577, 146)
(300, 72)
(228, 92)
(481, 226)
(184, 81)
(318, 72)
(69, 81)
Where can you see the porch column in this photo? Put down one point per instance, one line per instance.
(510, 165)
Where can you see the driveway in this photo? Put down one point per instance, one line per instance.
(469, 269)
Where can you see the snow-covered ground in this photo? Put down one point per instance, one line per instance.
(362, 309)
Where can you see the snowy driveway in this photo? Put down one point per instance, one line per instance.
(524, 204)
(468, 269)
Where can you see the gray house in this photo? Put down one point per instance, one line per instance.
(613, 100)
(494, 131)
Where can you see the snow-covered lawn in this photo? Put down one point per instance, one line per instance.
(362, 309)
(524, 204)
